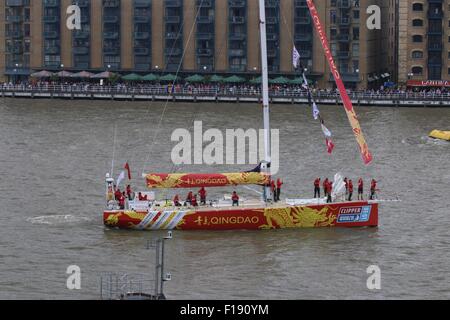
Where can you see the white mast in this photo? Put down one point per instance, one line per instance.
(265, 89)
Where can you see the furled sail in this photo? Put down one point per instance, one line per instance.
(351, 114)
(191, 180)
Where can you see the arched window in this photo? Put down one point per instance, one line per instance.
(417, 23)
(417, 54)
(417, 38)
(417, 70)
(417, 7)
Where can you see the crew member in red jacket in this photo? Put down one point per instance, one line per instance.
(279, 184)
(117, 194)
(317, 188)
(329, 188)
(194, 201)
(346, 185)
(188, 198)
(325, 183)
(176, 200)
(360, 189)
(202, 193)
(122, 201)
(373, 187)
(350, 190)
(235, 199)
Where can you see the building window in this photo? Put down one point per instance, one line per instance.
(417, 70)
(449, 54)
(448, 71)
(417, 38)
(417, 7)
(417, 54)
(356, 14)
(417, 23)
(355, 33)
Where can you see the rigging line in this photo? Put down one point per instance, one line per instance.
(173, 83)
(114, 149)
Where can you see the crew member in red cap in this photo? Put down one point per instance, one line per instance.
(235, 199)
(202, 193)
(350, 190)
(373, 188)
(360, 189)
(317, 188)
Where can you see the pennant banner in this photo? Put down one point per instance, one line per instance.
(295, 57)
(353, 119)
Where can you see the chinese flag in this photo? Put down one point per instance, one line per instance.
(128, 170)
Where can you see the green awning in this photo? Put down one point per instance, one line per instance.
(256, 80)
(216, 78)
(169, 77)
(280, 80)
(233, 79)
(150, 77)
(195, 78)
(132, 77)
(299, 80)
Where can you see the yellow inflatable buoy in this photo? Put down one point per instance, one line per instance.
(438, 134)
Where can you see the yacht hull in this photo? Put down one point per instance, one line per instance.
(342, 214)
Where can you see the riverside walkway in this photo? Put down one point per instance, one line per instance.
(236, 95)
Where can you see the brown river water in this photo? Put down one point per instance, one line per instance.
(54, 155)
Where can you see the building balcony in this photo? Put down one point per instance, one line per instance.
(141, 19)
(14, 34)
(432, 14)
(83, 3)
(111, 3)
(300, 4)
(237, 36)
(51, 3)
(343, 54)
(435, 32)
(51, 50)
(343, 37)
(204, 52)
(236, 52)
(50, 19)
(80, 50)
(15, 50)
(51, 34)
(171, 35)
(142, 3)
(172, 51)
(236, 4)
(272, 53)
(80, 34)
(272, 37)
(110, 35)
(305, 54)
(141, 35)
(271, 4)
(344, 4)
(271, 20)
(111, 51)
(435, 46)
(205, 19)
(237, 68)
(303, 37)
(205, 36)
(237, 19)
(172, 3)
(344, 21)
(172, 19)
(204, 3)
(349, 77)
(14, 19)
(110, 19)
(15, 3)
(303, 20)
(141, 51)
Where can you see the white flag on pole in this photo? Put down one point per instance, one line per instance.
(120, 178)
(315, 111)
(325, 130)
(295, 57)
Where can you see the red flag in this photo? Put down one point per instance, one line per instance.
(128, 169)
(330, 145)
